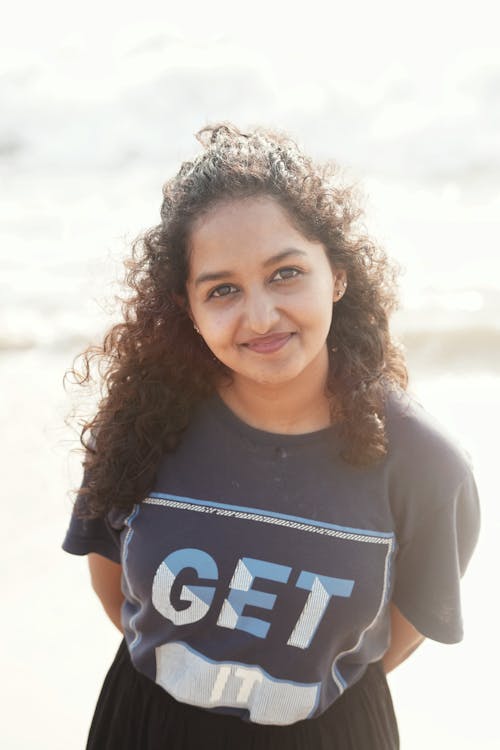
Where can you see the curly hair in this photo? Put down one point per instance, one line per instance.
(155, 369)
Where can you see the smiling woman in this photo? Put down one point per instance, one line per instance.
(267, 321)
(286, 522)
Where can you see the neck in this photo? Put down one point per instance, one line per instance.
(295, 407)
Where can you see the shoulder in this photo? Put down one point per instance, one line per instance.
(429, 478)
(417, 441)
(427, 469)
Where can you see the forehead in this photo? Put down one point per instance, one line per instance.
(244, 213)
(248, 227)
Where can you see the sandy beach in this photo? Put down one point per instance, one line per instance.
(58, 643)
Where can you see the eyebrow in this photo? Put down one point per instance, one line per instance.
(221, 275)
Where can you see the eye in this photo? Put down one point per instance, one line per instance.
(222, 291)
(284, 274)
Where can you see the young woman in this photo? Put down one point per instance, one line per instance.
(271, 521)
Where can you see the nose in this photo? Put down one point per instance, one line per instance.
(260, 311)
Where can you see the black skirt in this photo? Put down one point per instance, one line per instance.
(133, 713)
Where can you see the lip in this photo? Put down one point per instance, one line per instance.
(268, 344)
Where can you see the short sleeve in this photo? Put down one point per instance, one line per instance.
(431, 561)
(91, 535)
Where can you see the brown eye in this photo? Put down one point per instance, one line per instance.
(283, 274)
(223, 290)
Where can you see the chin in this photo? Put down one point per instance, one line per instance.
(280, 377)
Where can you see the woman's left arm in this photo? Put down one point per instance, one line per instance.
(404, 640)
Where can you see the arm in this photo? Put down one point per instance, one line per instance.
(106, 582)
(404, 640)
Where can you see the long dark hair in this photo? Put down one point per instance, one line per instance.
(155, 368)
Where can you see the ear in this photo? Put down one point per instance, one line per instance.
(339, 284)
(181, 302)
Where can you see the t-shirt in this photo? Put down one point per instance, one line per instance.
(258, 573)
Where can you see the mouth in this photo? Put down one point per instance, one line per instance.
(268, 344)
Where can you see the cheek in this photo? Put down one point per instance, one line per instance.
(317, 304)
(219, 326)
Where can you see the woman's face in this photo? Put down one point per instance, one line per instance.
(260, 293)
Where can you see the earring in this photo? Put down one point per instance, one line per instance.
(196, 328)
(340, 292)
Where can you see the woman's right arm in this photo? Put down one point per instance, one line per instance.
(106, 582)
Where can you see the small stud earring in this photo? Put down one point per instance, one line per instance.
(340, 292)
(196, 328)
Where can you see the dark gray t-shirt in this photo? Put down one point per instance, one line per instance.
(258, 574)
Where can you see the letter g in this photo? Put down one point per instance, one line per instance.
(200, 596)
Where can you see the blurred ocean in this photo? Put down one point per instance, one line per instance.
(94, 120)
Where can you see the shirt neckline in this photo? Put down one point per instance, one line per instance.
(263, 437)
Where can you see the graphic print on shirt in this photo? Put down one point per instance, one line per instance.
(250, 600)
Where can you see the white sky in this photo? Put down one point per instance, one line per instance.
(361, 37)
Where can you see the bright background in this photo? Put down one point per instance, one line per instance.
(99, 105)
